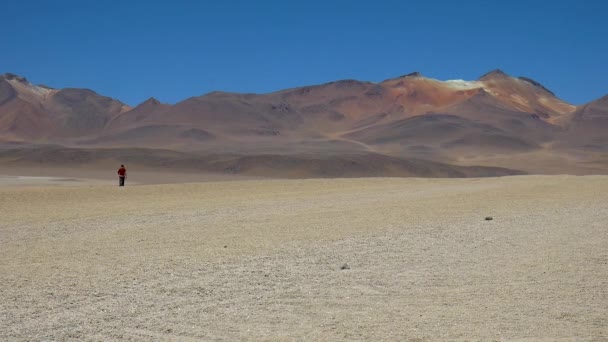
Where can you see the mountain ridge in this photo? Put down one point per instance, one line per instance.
(410, 116)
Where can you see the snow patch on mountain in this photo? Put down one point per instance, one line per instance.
(462, 84)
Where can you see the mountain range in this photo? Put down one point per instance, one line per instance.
(406, 126)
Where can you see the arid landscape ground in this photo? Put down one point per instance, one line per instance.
(304, 171)
(349, 210)
(318, 259)
(286, 216)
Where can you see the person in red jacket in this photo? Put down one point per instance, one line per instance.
(122, 175)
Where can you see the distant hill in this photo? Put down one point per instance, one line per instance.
(370, 129)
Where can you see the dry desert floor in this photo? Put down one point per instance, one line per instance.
(316, 260)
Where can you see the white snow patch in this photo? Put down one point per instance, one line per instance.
(40, 90)
(462, 84)
(468, 85)
(30, 91)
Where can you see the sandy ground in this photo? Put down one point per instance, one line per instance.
(37, 181)
(262, 260)
(103, 174)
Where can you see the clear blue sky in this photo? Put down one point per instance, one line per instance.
(132, 50)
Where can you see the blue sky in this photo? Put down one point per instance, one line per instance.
(171, 50)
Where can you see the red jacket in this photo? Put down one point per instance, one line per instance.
(122, 172)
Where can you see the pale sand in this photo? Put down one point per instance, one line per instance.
(92, 174)
(37, 181)
(260, 260)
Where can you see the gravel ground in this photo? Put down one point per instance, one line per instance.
(322, 260)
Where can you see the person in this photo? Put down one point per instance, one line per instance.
(122, 175)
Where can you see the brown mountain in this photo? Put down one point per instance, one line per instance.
(497, 120)
(38, 113)
(334, 109)
(587, 127)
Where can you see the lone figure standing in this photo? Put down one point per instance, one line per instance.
(122, 175)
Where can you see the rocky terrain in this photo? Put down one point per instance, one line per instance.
(324, 259)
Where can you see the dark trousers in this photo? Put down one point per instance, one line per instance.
(121, 181)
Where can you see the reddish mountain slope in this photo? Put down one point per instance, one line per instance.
(337, 108)
(37, 113)
(411, 116)
(587, 127)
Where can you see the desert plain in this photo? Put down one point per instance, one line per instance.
(410, 259)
